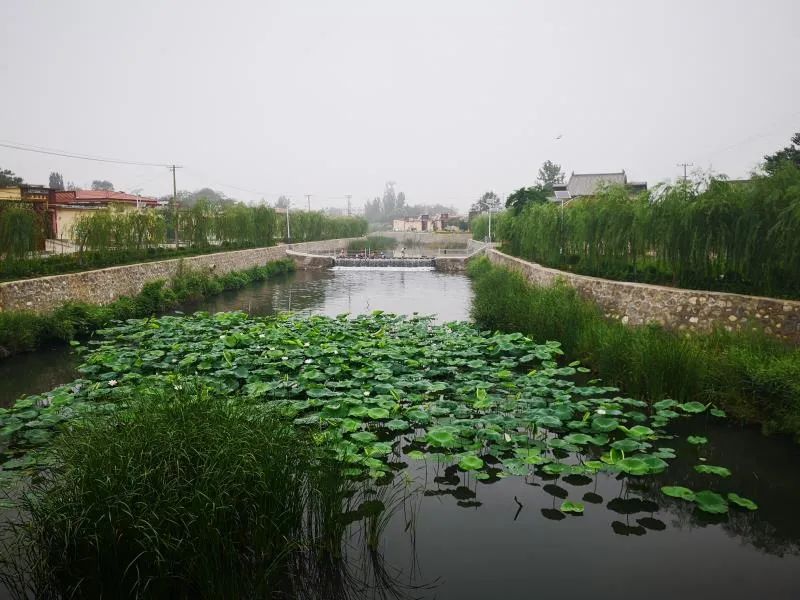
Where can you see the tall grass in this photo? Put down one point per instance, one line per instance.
(375, 243)
(182, 495)
(753, 376)
(729, 237)
(24, 331)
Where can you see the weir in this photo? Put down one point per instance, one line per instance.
(383, 262)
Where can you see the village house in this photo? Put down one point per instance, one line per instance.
(581, 185)
(422, 223)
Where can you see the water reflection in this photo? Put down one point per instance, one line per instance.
(509, 533)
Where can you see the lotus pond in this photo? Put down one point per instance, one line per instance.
(502, 465)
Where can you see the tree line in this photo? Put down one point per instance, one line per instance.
(714, 234)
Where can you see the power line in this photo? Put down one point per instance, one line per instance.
(53, 152)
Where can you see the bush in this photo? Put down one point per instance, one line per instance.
(753, 376)
(182, 495)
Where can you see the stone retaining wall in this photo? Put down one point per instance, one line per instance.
(675, 308)
(431, 240)
(102, 286)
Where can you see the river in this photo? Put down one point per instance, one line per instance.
(458, 538)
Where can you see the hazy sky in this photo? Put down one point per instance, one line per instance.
(447, 98)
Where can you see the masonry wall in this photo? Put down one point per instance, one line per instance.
(103, 286)
(675, 308)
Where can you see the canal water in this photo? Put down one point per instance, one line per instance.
(449, 536)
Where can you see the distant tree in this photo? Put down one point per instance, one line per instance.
(102, 184)
(550, 174)
(520, 198)
(401, 201)
(389, 200)
(283, 202)
(489, 200)
(72, 186)
(789, 154)
(56, 181)
(9, 179)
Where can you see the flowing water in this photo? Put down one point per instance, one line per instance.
(452, 537)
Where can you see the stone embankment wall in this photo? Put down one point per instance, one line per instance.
(675, 308)
(103, 286)
(456, 264)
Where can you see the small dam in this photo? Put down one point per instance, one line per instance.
(383, 262)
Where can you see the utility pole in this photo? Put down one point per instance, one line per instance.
(175, 202)
(308, 198)
(684, 165)
(348, 196)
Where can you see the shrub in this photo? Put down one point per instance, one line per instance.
(182, 495)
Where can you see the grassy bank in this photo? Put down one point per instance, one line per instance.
(183, 494)
(754, 377)
(24, 331)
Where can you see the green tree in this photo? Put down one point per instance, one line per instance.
(520, 198)
(56, 181)
(550, 174)
(488, 201)
(102, 184)
(790, 153)
(9, 179)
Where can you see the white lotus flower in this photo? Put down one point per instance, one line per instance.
(113, 382)
(601, 411)
(308, 361)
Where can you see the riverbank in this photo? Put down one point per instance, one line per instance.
(751, 375)
(25, 331)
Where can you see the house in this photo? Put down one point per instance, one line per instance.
(67, 206)
(421, 223)
(587, 184)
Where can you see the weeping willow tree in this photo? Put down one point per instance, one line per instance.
(114, 229)
(21, 231)
(729, 236)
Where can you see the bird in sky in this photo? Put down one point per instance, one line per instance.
(559, 136)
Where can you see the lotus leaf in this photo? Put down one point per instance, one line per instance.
(713, 470)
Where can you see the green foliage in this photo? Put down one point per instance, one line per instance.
(21, 229)
(375, 243)
(731, 237)
(182, 494)
(790, 154)
(752, 376)
(23, 331)
(9, 179)
(522, 197)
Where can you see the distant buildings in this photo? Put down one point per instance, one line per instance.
(439, 222)
(588, 184)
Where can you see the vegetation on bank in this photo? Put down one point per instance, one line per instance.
(114, 237)
(23, 331)
(180, 494)
(373, 243)
(731, 236)
(754, 377)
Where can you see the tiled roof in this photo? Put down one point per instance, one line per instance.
(586, 184)
(100, 196)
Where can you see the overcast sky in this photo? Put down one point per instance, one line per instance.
(447, 98)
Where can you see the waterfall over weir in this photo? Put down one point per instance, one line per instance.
(384, 263)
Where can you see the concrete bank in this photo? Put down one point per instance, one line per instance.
(102, 286)
(674, 308)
